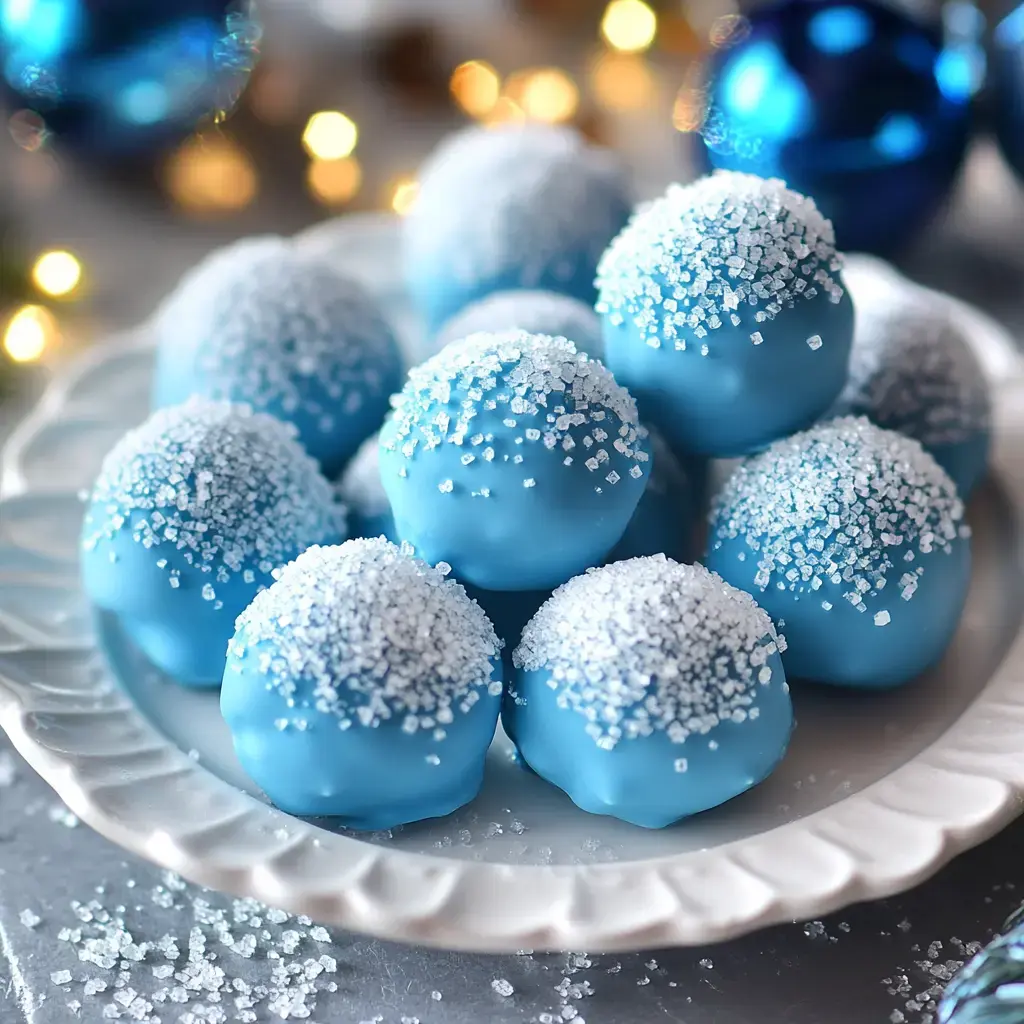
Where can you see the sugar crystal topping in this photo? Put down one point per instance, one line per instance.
(649, 645)
(537, 312)
(553, 395)
(727, 249)
(376, 632)
(845, 502)
(230, 488)
(911, 368)
(527, 199)
(284, 331)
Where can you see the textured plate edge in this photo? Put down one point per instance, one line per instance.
(818, 863)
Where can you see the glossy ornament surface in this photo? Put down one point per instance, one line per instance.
(1006, 63)
(855, 104)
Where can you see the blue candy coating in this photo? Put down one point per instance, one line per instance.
(513, 458)
(852, 538)
(189, 516)
(365, 686)
(913, 370)
(520, 206)
(724, 314)
(777, 102)
(535, 312)
(649, 691)
(1006, 64)
(265, 324)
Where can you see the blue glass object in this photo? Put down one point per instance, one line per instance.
(121, 75)
(1007, 85)
(990, 989)
(853, 103)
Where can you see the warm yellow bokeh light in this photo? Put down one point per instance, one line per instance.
(330, 135)
(547, 94)
(475, 86)
(334, 182)
(29, 332)
(506, 111)
(689, 110)
(403, 195)
(629, 25)
(212, 175)
(57, 273)
(623, 81)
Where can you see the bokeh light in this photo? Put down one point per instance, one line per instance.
(29, 332)
(57, 273)
(334, 182)
(623, 82)
(629, 26)
(506, 111)
(212, 175)
(475, 86)
(330, 135)
(544, 94)
(28, 130)
(403, 194)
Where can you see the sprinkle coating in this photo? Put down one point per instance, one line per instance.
(379, 633)
(230, 488)
(649, 645)
(846, 502)
(727, 249)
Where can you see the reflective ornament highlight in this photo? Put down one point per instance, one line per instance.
(124, 75)
(1007, 86)
(853, 103)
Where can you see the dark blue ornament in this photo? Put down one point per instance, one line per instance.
(1007, 87)
(121, 75)
(990, 989)
(849, 101)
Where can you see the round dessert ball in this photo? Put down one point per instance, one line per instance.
(560, 316)
(190, 514)
(363, 685)
(514, 458)
(649, 691)
(666, 519)
(517, 206)
(363, 495)
(913, 370)
(288, 335)
(725, 314)
(853, 539)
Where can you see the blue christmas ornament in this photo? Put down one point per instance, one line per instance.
(853, 103)
(1007, 83)
(125, 74)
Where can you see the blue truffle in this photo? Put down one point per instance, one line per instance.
(363, 495)
(520, 206)
(264, 324)
(559, 316)
(189, 516)
(513, 458)
(912, 370)
(853, 539)
(649, 691)
(725, 314)
(363, 685)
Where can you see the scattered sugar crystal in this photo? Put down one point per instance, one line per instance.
(529, 482)
(882, 618)
(319, 934)
(707, 964)
(502, 987)
(60, 977)
(436, 996)
(756, 337)
(680, 764)
(446, 486)
(29, 918)
(814, 342)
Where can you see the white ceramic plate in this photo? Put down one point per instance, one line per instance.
(876, 794)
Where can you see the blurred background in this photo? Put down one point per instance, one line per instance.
(140, 135)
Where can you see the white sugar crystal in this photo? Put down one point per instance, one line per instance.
(665, 676)
(814, 342)
(383, 623)
(502, 987)
(729, 241)
(529, 482)
(446, 486)
(60, 977)
(882, 618)
(29, 918)
(680, 764)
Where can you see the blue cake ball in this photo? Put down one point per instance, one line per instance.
(853, 539)
(725, 315)
(189, 516)
(288, 335)
(649, 691)
(560, 316)
(912, 370)
(363, 685)
(667, 517)
(519, 206)
(363, 495)
(513, 458)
